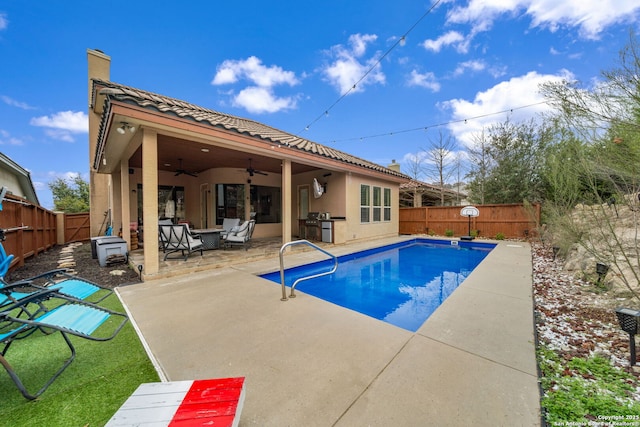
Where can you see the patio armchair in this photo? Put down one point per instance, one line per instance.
(241, 235)
(66, 316)
(227, 225)
(178, 238)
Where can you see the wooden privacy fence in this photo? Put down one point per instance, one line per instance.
(77, 227)
(31, 229)
(512, 221)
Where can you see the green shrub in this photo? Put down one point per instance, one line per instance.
(475, 233)
(581, 389)
(500, 236)
(448, 233)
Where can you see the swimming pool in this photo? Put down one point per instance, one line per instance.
(401, 284)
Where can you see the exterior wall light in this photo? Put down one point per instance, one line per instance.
(628, 320)
(122, 129)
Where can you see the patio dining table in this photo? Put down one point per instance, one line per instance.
(210, 237)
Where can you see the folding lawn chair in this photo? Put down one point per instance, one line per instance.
(58, 279)
(69, 317)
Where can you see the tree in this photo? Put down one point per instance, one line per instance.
(70, 195)
(604, 170)
(415, 165)
(480, 161)
(508, 163)
(440, 154)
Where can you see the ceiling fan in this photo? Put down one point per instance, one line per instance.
(181, 171)
(251, 171)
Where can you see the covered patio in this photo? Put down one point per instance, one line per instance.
(264, 248)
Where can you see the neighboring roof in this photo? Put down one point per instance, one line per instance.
(185, 110)
(23, 176)
(414, 185)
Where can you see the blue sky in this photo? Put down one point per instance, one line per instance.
(286, 63)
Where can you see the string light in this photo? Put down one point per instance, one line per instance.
(401, 41)
(426, 128)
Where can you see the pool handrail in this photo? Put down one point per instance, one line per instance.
(313, 276)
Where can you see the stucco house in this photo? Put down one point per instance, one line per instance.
(152, 156)
(17, 180)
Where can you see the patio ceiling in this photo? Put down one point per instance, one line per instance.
(194, 159)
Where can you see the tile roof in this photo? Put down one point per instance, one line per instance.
(183, 109)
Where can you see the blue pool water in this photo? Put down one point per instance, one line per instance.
(402, 284)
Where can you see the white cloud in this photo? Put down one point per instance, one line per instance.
(7, 139)
(4, 22)
(259, 96)
(471, 117)
(76, 122)
(63, 125)
(253, 70)
(226, 74)
(347, 69)
(259, 100)
(591, 17)
(12, 102)
(359, 43)
(473, 65)
(450, 38)
(426, 80)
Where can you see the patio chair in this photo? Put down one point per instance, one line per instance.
(69, 317)
(227, 225)
(178, 238)
(60, 279)
(240, 236)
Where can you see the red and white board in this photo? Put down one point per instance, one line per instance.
(213, 402)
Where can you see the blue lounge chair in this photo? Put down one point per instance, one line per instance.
(68, 317)
(58, 279)
(65, 283)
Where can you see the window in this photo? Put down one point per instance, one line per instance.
(265, 204)
(229, 202)
(387, 204)
(365, 203)
(376, 208)
(170, 203)
(377, 203)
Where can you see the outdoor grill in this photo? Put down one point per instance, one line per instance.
(312, 219)
(311, 226)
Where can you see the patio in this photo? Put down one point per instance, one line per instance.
(308, 362)
(261, 249)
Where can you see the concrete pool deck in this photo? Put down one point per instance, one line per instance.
(311, 363)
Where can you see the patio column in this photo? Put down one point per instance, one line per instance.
(116, 203)
(125, 201)
(150, 200)
(286, 201)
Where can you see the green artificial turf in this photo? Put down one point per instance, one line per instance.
(88, 393)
